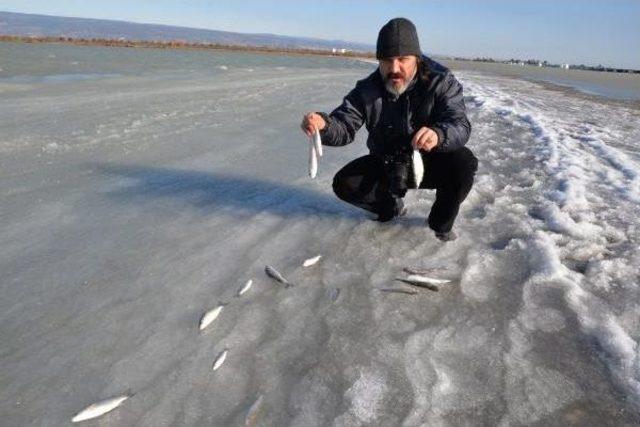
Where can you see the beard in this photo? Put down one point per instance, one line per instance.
(392, 88)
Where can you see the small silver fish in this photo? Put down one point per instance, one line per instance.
(99, 408)
(423, 271)
(252, 414)
(246, 287)
(317, 142)
(418, 168)
(275, 275)
(311, 261)
(220, 360)
(418, 283)
(210, 316)
(313, 160)
(426, 279)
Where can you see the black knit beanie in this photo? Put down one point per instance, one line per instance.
(398, 37)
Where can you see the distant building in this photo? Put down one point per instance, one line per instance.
(565, 66)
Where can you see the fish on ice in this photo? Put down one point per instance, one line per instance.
(311, 261)
(399, 291)
(252, 414)
(220, 360)
(430, 283)
(246, 287)
(99, 408)
(420, 284)
(210, 316)
(424, 271)
(275, 275)
(426, 279)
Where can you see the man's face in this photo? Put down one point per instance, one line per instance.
(397, 72)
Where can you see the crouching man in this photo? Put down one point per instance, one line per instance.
(410, 102)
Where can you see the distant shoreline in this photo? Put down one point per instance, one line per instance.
(607, 85)
(156, 44)
(181, 44)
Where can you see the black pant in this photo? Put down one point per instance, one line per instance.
(364, 183)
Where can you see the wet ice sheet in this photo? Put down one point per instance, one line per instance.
(130, 206)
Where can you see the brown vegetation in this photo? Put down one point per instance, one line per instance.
(180, 44)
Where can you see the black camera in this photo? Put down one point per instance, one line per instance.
(397, 159)
(397, 167)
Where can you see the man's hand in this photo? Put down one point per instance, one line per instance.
(425, 139)
(311, 122)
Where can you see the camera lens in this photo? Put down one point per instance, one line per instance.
(398, 178)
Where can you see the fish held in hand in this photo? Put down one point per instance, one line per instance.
(99, 408)
(317, 142)
(313, 160)
(418, 168)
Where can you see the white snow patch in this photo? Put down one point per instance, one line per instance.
(367, 395)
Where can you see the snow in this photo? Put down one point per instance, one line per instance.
(130, 205)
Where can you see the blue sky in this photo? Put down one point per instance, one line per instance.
(574, 31)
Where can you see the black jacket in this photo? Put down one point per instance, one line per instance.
(434, 100)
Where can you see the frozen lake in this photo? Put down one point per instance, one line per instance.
(141, 188)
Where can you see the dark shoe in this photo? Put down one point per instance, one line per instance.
(447, 236)
(400, 210)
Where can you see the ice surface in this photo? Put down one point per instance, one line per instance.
(130, 205)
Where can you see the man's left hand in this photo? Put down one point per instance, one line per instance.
(425, 139)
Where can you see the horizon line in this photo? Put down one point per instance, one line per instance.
(471, 57)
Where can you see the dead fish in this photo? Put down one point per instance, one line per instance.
(418, 168)
(311, 261)
(246, 287)
(252, 414)
(423, 271)
(220, 360)
(99, 408)
(429, 286)
(313, 160)
(426, 279)
(399, 290)
(210, 316)
(317, 142)
(275, 275)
